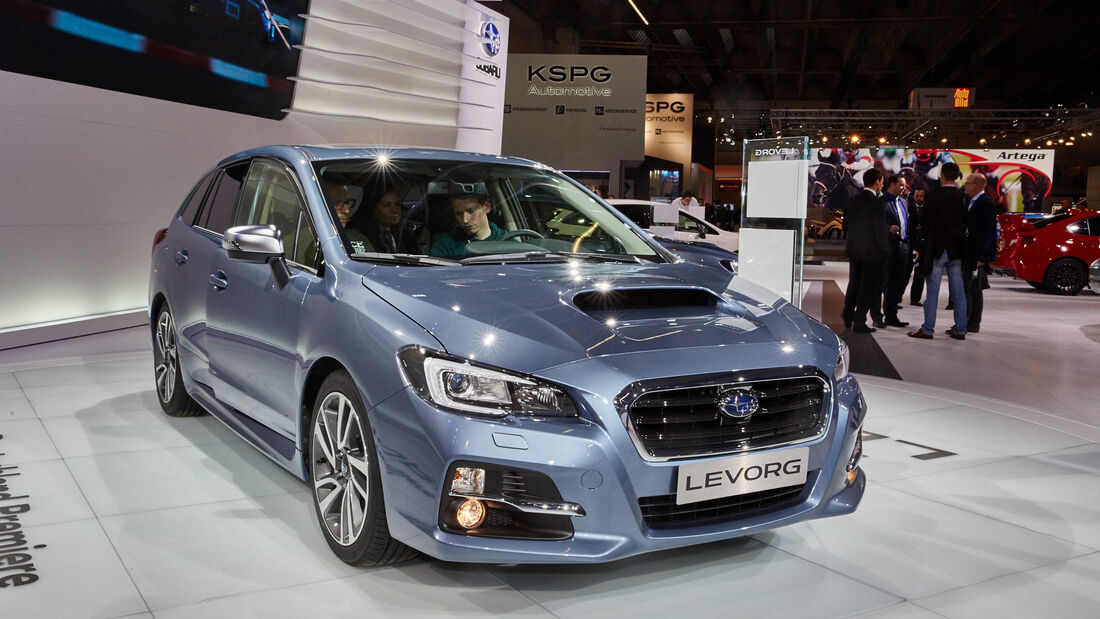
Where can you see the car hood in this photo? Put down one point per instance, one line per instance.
(533, 317)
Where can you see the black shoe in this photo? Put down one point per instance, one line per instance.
(879, 324)
(898, 307)
(916, 303)
(847, 321)
(861, 328)
(957, 336)
(950, 306)
(896, 323)
(920, 335)
(970, 329)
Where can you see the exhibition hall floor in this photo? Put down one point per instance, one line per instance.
(975, 507)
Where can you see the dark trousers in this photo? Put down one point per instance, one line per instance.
(897, 278)
(975, 302)
(864, 289)
(916, 291)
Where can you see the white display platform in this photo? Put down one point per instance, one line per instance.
(974, 508)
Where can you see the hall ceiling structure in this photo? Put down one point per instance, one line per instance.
(744, 58)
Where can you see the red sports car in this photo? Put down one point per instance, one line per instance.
(1052, 253)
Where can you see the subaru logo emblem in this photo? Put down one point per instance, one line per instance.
(491, 39)
(738, 404)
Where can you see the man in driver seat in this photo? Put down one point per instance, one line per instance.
(470, 203)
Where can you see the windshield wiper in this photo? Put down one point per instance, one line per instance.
(402, 259)
(548, 257)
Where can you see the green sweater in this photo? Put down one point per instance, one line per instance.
(454, 244)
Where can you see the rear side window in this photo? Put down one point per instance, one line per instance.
(194, 201)
(1089, 227)
(271, 197)
(220, 209)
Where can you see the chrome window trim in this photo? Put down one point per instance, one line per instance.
(632, 392)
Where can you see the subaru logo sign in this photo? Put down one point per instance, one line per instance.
(491, 40)
(738, 404)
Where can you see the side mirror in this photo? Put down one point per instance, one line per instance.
(258, 245)
(253, 243)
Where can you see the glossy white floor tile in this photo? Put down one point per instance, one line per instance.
(15, 405)
(419, 589)
(47, 489)
(913, 547)
(79, 576)
(138, 368)
(1060, 501)
(92, 398)
(137, 481)
(759, 580)
(114, 431)
(25, 440)
(190, 554)
(7, 381)
(905, 610)
(1065, 590)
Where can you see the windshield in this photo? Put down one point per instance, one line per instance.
(457, 210)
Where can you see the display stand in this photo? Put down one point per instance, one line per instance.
(773, 214)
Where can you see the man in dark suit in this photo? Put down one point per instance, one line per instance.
(944, 224)
(981, 223)
(900, 261)
(867, 251)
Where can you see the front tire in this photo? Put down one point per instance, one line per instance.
(171, 394)
(1065, 276)
(347, 484)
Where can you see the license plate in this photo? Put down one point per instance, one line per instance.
(714, 479)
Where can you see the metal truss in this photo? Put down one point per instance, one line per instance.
(901, 126)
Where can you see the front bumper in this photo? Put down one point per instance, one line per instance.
(594, 464)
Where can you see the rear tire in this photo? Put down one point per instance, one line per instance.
(1065, 276)
(171, 393)
(347, 484)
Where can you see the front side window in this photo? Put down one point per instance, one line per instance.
(688, 224)
(270, 197)
(459, 209)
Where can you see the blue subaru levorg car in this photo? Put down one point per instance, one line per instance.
(406, 331)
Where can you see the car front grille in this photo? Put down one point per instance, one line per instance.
(686, 421)
(662, 512)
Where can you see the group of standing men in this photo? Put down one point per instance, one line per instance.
(945, 229)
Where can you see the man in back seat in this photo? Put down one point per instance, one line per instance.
(470, 203)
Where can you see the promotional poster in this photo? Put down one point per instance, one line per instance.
(1018, 179)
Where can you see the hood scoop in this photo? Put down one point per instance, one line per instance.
(625, 299)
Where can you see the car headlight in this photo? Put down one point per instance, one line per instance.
(462, 385)
(842, 360)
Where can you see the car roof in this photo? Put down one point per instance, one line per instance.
(324, 152)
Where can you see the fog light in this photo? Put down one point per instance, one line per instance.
(852, 475)
(468, 481)
(470, 514)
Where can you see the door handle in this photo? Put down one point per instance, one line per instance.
(218, 280)
(181, 257)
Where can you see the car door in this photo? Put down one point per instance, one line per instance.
(193, 247)
(253, 321)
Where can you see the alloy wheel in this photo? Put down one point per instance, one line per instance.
(167, 359)
(340, 468)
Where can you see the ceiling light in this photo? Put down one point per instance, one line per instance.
(1050, 142)
(944, 141)
(1027, 140)
(854, 139)
(882, 140)
(981, 141)
(638, 11)
(824, 139)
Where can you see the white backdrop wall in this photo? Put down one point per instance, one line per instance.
(88, 175)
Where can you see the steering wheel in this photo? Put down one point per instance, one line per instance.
(508, 236)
